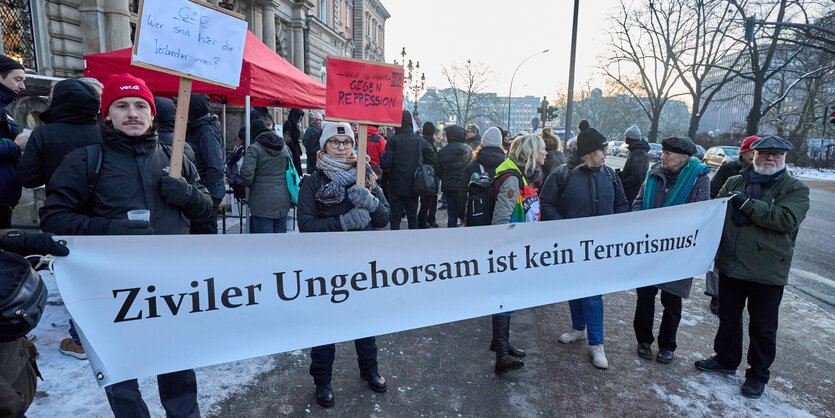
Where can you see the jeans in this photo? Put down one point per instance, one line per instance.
(452, 209)
(74, 333)
(397, 205)
(426, 214)
(207, 226)
(587, 313)
(268, 226)
(177, 392)
(321, 364)
(645, 316)
(763, 306)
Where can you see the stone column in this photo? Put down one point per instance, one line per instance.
(298, 43)
(268, 17)
(117, 24)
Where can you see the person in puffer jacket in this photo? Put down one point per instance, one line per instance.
(264, 172)
(451, 161)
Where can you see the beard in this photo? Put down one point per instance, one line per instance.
(767, 170)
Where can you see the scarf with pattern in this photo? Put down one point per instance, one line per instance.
(341, 175)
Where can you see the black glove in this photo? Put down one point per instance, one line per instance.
(738, 200)
(29, 244)
(177, 192)
(129, 227)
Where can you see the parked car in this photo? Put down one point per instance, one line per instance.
(613, 146)
(654, 153)
(716, 156)
(623, 150)
(700, 152)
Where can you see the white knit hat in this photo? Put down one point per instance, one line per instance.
(492, 137)
(331, 129)
(633, 133)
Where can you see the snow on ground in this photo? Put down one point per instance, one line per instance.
(69, 388)
(812, 173)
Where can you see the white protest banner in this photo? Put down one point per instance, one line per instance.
(194, 40)
(157, 304)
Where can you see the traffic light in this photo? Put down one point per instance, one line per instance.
(832, 115)
(749, 29)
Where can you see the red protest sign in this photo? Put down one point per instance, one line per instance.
(364, 92)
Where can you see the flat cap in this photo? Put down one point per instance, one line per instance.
(774, 143)
(679, 145)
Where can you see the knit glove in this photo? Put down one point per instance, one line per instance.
(355, 219)
(176, 192)
(129, 227)
(739, 199)
(30, 244)
(361, 197)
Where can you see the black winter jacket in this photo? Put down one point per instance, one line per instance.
(588, 192)
(451, 160)
(722, 175)
(72, 125)
(129, 179)
(205, 139)
(487, 157)
(292, 134)
(166, 115)
(553, 160)
(635, 169)
(400, 160)
(315, 216)
(9, 151)
(430, 157)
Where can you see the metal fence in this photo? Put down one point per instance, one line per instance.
(18, 32)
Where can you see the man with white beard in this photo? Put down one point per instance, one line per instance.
(766, 208)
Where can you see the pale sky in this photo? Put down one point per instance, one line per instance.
(500, 34)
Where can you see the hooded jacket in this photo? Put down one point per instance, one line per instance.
(376, 145)
(205, 139)
(588, 192)
(131, 170)
(291, 136)
(635, 169)
(166, 115)
(487, 157)
(263, 171)
(451, 160)
(72, 124)
(400, 159)
(9, 151)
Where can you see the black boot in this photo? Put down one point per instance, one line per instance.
(504, 362)
(510, 349)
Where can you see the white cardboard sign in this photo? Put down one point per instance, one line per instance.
(191, 39)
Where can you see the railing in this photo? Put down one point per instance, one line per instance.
(18, 33)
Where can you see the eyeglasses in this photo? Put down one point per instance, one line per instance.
(348, 143)
(771, 154)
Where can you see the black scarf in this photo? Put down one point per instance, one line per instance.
(754, 190)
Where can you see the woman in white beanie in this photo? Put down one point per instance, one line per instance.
(330, 200)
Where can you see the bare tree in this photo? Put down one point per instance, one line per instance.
(465, 96)
(610, 110)
(640, 59)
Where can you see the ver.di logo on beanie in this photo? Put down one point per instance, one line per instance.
(125, 85)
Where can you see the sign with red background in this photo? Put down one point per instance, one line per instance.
(364, 92)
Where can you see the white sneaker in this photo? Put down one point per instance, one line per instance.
(571, 336)
(598, 356)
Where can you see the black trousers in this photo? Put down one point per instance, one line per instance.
(428, 208)
(763, 307)
(398, 204)
(208, 226)
(645, 315)
(177, 392)
(321, 364)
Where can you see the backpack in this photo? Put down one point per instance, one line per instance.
(24, 298)
(481, 198)
(94, 156)
(232, 173)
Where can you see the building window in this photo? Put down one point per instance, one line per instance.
(323, 11)
(18, 33)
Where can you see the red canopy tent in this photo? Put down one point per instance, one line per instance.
(266, 77)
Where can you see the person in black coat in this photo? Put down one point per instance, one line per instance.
(486, 157)
(555, 157)
(71, 124)
(12, 142)
(132, 176)
(203, 134)
(292, 130)
(330, 200)
(429, 203)
(637, 163)
(451, 161)
(399, 162)
(166, 115)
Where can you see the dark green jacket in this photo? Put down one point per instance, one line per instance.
(761, 251)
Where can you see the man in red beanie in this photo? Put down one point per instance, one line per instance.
(95, 187)
(726, 171)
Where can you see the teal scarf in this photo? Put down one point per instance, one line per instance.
(681, 190)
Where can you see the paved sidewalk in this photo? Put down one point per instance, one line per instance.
(446, 370)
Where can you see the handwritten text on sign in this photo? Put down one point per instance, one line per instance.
(364, 91)
(183, 36)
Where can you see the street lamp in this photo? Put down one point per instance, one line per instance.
(412, 83)
(510, 91)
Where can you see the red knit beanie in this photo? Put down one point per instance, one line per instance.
(746, 144)
(125, 85)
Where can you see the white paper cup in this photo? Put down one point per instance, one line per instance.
(139, 215)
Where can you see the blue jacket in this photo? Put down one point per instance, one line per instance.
(588, 192)
(9, 159)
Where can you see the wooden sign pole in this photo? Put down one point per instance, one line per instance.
(362, 151)
(180, 124)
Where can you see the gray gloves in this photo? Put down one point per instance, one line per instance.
(361, 197)
(355, 219)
